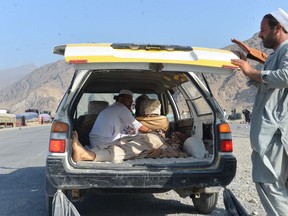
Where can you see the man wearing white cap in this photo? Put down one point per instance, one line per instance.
(269, 127)
(116, 121)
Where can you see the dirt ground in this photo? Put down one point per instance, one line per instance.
(242, 186)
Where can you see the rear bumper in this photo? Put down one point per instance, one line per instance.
(61, 179)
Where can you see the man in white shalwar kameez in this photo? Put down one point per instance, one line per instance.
(269, 121)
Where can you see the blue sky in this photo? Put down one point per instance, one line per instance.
(30, 29)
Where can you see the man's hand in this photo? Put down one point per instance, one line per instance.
(247, 69)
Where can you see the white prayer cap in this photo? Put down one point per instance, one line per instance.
(126, 92)
(282, 17)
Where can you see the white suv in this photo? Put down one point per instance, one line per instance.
(171, 74)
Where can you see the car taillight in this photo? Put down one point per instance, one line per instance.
(225, 137)
(58, 145)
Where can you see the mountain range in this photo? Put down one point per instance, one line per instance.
(12, 75)
(42, 88)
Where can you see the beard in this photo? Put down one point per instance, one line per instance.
(270, 41)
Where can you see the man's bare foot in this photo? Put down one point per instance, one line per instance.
(79, 152)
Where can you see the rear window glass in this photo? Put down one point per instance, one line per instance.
(181, 104)
(82, 107)
(196, 98)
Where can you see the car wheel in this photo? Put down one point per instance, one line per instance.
(206, 203)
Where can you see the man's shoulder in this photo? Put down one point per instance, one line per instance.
(281, 51)
(116, 108)
(117, 105)
(284, 45)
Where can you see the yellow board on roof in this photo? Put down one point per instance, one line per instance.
(105, 53)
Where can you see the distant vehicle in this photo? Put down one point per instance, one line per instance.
(3, 111)
(169, 73)
(45, 118)
(7, 120)
(32, 111)
(27, 118)
(45, 112)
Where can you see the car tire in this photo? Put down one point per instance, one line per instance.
(206, 203)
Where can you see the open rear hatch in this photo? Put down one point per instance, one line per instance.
(96, 59)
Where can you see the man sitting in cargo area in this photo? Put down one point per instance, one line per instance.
(113, 123)
(148, 113)
(116, 121)
(138, 101)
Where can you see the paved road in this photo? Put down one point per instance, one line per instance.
(22, 161)
(22, 170)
